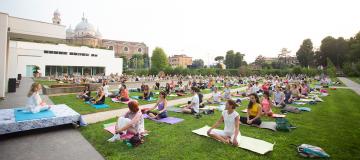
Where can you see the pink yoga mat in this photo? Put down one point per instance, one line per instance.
(111, 129)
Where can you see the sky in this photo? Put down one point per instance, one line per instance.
(204, 28)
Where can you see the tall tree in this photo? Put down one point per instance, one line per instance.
(219, 59)
(146, 59)
(159, 60)
(354, 48)
(198, 63)
(137, 61)
(335, 49)
(125, 62)
(238, 59)
(229, 59)
(305, 54)
(260, 60)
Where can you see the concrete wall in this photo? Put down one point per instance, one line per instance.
(36, 28)
(3, 53)
(29, 53)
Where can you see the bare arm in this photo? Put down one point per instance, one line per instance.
(132, 122)
(165, 106)
(218, 122)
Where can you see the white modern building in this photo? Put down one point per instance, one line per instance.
(25, 43)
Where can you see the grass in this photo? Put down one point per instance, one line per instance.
(332, 125)
(355, 79)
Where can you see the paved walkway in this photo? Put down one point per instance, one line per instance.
(56, 143)
(353, 85)
(102, 116)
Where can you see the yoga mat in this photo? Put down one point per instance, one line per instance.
(97, 106)
(115, 100)
(168, 120)
(23, 116)
(265, 125)
(174, 109)
(172, 95)
(110, 129)
(248, 143)
(299, 103)
(305, 109)
(137, 97)
(306, 100)
(109, 124)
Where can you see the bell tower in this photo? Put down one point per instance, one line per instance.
(56, 19)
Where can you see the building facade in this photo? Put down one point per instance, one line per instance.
(26, 43)
(86, 34)
(180, 61)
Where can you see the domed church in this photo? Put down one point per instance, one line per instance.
(85, 34)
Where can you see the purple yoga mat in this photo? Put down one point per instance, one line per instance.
(168, 120)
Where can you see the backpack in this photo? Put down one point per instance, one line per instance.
(136, 140)
(309, 151)
(282, 124)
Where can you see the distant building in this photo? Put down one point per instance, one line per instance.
(180, 61)
(85, 34)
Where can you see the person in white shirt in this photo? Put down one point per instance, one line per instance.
(215, 98)
(231, 119)
(34, 103)
(193, 106)
(227, 92)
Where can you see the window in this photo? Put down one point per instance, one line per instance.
(51, 52)
(139, 50)
(46, 51)
(56, 52)
(126, 49)
(111, 47)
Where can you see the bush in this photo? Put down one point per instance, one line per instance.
(349, 71)
(330, 68)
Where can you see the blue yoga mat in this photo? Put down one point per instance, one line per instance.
(137, 97)
(97, 106)
(305, 109)
(24, 116)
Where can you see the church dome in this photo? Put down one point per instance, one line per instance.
(84, 28)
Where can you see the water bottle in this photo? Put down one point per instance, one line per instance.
(127, 142)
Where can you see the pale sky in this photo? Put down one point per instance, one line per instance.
(204, 28)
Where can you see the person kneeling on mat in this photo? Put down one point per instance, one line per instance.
(253, 111)
(161, 107)
(231, 120)
(132, 123)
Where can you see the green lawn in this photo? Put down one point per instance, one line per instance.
(355, 79)
(332, 125)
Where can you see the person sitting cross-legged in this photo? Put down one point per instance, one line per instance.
(161, 107)
(231, 119)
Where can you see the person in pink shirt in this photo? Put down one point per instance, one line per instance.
(266, 104)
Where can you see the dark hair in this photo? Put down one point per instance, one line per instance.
(232, 103)
(256, 98)
(133, 106)
(195, 89)
(267, 94)
(124, 86)
(163, 93)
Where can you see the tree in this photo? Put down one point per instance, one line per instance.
(197, 63)
(354, 49)
(137, 61)
(305, 54)
(230, 59)
(260, 60)
(330, 68)
(146, 60)
(159, 60)
(335, 49)
(219, 59)
(238, 59)
(125, 62)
